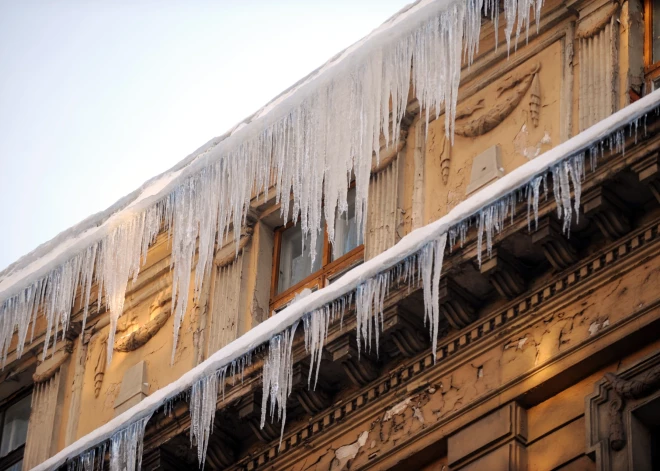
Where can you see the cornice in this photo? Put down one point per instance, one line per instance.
(610, 263)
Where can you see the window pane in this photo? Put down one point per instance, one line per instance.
(655, 40)
(347, 235)
(15, 425)
(16, 467)
(295, 260)
(655, 84)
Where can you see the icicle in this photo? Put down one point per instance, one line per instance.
(203, 398)
(91, 460)
(126, 447)
(563, 174)
(369, 299)
(533, 201)
(316, 331)
(431, 259)
(278, 377)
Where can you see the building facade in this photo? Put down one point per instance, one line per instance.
(548, 353)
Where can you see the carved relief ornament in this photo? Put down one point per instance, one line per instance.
(519, 83)
(159, 313)
(618, 402)
(589, 31)
(53, 364)
(623, 389)
(516, 86)
(99, 368)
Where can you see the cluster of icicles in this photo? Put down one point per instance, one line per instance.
(310, 145)
(423, 268)
(313, 149)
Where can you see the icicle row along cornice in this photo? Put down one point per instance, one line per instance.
(313, 139)
(416, 258)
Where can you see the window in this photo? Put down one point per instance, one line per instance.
(347, 237)
(14, 418)
(295, 261)
(645, 436)
(293, 270)
(652, 43)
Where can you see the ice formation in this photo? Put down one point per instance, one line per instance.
(91, 460)
(278, 377)
(203, 398)
(126, 447)
(491, 218)
(418, 254)
(309, 143)
(431, 266)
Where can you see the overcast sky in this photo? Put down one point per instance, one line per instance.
(97, 97)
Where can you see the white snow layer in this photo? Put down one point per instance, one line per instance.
(413, 250)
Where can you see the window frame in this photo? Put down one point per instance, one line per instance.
(16, 455)
(329, 271)
(651, 69)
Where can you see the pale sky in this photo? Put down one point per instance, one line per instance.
(98, 97)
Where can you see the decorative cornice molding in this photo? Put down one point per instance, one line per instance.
(645, 240)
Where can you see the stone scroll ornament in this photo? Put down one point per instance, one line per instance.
(158, 317)
(224, 259)
(46, 375)
(627, 389)
(467, 126)
(490, 120)
(594, 29)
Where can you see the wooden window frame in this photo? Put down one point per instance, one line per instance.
(651, 69)
(16, 455)
(330, 270)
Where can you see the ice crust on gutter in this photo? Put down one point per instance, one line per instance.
(409, 245)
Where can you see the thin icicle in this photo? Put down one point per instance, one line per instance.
(278, 377)
(369, 300)
(91, 460)
(126, 447)
(203, 399)
(316, 332)
(431, 259)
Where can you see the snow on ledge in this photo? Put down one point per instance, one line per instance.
(407, 246)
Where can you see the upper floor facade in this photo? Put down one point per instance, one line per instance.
(577, 64)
